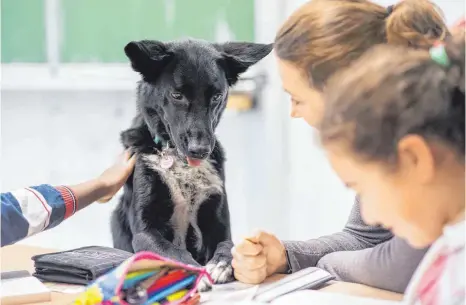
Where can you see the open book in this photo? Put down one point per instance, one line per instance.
(309, 278)
(297, 288)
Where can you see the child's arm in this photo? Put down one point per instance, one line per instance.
(31, 210)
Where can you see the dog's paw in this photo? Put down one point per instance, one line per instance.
(221, 273)
(204, 285)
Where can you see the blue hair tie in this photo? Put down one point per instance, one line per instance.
(439, 55)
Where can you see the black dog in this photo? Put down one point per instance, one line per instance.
(175, 202)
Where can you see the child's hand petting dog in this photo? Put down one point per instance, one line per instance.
(115, 176)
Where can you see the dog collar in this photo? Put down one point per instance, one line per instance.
(158, 140)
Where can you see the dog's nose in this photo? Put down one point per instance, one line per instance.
(198, 150)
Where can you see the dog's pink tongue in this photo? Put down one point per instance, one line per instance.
(193, 162)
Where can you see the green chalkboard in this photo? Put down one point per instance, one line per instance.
(23, 31)
(97, 30)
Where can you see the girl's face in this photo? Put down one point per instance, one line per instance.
(415, 200)
(306, 103)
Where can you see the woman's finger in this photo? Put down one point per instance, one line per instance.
(266, 239)
(250, 262)
(255, 277)
(246, 247)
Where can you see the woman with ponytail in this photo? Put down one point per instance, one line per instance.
(315, 42)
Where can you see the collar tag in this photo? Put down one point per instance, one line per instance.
(166, 162)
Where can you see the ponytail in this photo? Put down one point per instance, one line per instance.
(323, 36)
(415, 23)
(392, 91)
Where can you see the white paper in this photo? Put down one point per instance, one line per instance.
(22, 286)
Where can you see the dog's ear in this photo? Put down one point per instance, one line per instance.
(239, 56)
(148, 57)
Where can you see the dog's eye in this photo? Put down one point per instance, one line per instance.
(177, 96)
(217, 97)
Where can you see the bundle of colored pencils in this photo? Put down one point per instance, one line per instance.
(146, 279)
(158, 287)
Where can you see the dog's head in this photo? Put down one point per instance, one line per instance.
(184, 88)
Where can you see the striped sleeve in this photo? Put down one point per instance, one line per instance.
(31, 210)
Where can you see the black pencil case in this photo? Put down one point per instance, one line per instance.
(79, 266)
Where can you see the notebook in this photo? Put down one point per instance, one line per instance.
(23, 290)
(309, 278)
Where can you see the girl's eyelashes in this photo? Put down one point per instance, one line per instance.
(295, 101)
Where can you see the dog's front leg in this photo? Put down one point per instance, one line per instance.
(153, 241)
(219, 266)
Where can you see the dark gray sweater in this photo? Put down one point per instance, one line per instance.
(361, 253)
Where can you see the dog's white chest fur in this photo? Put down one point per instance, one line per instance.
(189, 187)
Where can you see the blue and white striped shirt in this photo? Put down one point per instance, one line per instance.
(31, 210)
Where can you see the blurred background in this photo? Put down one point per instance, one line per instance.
(67, 92)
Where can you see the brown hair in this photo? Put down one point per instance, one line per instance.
(391, 92)
(323, 36)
